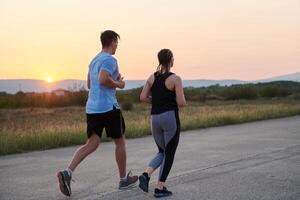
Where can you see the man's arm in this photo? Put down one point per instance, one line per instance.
(88, 81)
(106, 80)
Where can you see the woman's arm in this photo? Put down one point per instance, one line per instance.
(145, 94)
(179, 92)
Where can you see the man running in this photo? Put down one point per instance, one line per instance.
(103, 112)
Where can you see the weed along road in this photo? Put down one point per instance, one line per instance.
(257, 160)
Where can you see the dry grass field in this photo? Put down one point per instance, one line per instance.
(28, 129)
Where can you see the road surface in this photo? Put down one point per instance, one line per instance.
(258, 160)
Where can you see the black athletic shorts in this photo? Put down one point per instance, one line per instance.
(112, 121)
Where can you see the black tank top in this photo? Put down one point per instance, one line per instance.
(163, 99)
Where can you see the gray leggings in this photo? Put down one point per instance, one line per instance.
(165, 130)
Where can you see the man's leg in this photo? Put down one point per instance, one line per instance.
(115, 128)
(128, 180)
(120, 154)
(65, 176)
(90, 146)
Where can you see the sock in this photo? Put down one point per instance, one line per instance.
(123, 178)
(69, 171)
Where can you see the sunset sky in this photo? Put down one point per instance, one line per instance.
(211, 39)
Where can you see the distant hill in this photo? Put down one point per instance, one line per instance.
(30, 85)
(27, 85)
(287, 77)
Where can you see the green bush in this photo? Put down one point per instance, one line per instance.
(195, 94)
(127, 106)
(273, 91)
(240, 92)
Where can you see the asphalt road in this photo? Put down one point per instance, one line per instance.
(259, 160)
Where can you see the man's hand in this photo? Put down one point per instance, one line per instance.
(119, 77)
(120, 82)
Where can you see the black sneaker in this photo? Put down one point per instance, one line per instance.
(130, 181)
(144, 181)
(64, 180)
(162, 193)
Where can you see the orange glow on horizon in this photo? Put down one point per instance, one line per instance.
(49, 79)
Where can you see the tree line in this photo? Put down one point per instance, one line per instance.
(270, 90)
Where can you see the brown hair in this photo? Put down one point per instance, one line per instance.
(107, 37)
(164, 58)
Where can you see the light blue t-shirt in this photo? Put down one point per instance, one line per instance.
(101, 98)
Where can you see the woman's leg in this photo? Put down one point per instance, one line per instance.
(155, 162)
(171, 137)
(159, 139)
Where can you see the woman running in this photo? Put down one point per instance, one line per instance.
(164, 91)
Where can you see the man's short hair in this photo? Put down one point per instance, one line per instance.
(107, 37)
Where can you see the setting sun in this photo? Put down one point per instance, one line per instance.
(49, 79)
